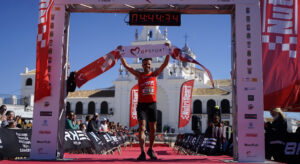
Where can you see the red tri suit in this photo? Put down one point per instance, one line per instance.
(147, 88)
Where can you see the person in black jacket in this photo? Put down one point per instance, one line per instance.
(276, 134)
(278, 127)
(93, 124)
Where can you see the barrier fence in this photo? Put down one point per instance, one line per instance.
(17, 142)
(201, 144)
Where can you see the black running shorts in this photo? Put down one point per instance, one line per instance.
(146, 111)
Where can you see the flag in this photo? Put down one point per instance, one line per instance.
(96, 68)
(42, 85)
(281, 50)
(178, 54)
(185, 103)
(134, 96)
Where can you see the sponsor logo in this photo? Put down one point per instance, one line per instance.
(249, 88)
(249, 62)
(43, 142)
(251, 134)
(250, 97)
(45, 113)
(45, 123)
(250, 126)
(251, 144)
(46, 103)
(44, 132)
(135, 51)
(292, 148)
(249, 70)
(248, 79)
(106, 0)
(250, 106)
(250, 116)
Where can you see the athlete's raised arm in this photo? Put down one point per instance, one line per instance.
(163, 66)
(131, 70)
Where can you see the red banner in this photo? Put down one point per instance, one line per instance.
(181, 56)
(96, 68)
(281, 74)
(134, 96)
(185, 103)
(42, 86)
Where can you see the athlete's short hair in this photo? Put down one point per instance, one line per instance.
(145, 59)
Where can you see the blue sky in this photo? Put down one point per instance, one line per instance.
(92, 35)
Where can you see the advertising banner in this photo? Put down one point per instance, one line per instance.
(145, 51)
(134, 96)
(42, 86)
(96, 68)
(185, 103)
(281, 48)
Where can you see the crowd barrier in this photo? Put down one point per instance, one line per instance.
(286, 149)
(201, 144)
(17, 142)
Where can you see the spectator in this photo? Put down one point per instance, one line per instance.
(104, 126)
(19, 121)
(82, 127)
(87, 119)
(12, 125)
(279, 125)
(10, 117)
(215, 130)
(29, 125)
(213, 127)
(298, 130)
(71, 121)
(3, 109)
(275, 135)
(93, 124)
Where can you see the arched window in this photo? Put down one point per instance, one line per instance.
(104, 108)
(225, 106)
(197, 107)
(68, 107)
(210, 107)
(29, 82)
(79, 107)
(91, 108)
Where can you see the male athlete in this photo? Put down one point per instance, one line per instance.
(146, 102)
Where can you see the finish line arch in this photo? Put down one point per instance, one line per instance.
(245, 41)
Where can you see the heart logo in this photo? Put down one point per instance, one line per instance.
(135, 51)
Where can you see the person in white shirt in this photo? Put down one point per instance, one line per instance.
(103, 126)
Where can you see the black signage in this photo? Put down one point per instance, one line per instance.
(250, 116)
(45, 113)
(155, 18)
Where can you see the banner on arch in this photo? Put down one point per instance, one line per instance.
(281, 50)
(134, 96)
(185, 103)
(42, 85)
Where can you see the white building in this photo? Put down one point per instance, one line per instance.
(113, 103)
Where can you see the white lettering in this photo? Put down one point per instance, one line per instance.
(282, 13)
(108, 60)
(282, 2)
(67, 136)
(280, 27)
(95, 136)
